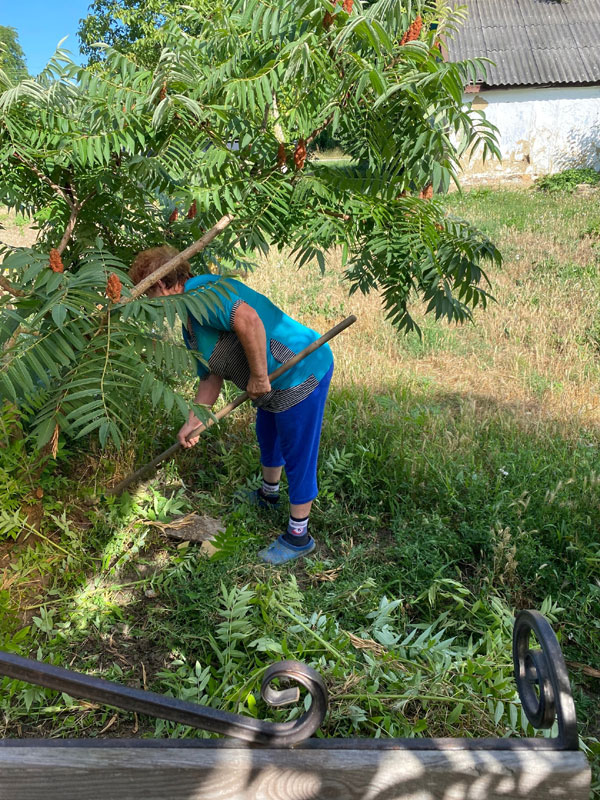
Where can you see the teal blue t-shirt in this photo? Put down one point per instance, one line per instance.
(219, 346)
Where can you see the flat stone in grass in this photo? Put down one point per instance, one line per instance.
(194, 528)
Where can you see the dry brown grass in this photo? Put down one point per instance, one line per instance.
(370, 352)
(526, 354)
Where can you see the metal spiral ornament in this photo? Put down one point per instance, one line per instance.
(289, 733)
(542, 678)
(274, 734)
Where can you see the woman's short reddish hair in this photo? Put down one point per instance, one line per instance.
(148, 261)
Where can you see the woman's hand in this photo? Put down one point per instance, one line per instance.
(257, 386)
(186, 430)
(208, 391)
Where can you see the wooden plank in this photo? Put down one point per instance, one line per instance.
(238, 773)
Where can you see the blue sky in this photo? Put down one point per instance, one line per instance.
(41, 25)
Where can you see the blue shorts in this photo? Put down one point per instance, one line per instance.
(291, 439)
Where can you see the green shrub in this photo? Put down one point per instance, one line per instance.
(568, 180)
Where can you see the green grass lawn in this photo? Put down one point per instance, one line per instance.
(460, 481)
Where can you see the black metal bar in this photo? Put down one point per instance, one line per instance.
(274, 734)
(545, 670)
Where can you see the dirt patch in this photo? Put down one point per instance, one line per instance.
(14, 231)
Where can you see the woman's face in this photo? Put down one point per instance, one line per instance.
(160, 290)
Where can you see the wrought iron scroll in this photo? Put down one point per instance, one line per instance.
(274, 734)
(542, 678)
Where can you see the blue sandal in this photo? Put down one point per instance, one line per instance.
(280, 552)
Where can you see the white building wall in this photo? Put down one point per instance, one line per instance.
(541, 131)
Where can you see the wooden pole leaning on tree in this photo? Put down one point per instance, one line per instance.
(223, 412)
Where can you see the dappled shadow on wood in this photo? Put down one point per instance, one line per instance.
(234, 773)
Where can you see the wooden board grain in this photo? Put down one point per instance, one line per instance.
(136, 773)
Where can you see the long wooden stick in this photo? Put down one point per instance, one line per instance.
(223, 412)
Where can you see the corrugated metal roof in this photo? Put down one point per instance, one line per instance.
(532, 42)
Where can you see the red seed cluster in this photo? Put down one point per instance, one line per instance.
(113, 287)
(300, 154)
(174, 215)
(327, 20)
(192, 212)
(281, 156)
(56, 264)
(163, 91)
(347, 6)
(414, 31)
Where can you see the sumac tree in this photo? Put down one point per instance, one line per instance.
(210, 151)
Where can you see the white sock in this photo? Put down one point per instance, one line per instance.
(269, 488)
(298, 527)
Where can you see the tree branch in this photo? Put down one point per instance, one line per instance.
(335, 214)
(47, 180)
(320, 129)
(8, 287)
(68, 195)
(190, 251)
(12, 341)
(329, 120)
(69, 229)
